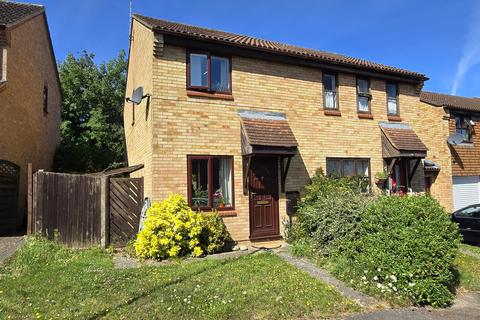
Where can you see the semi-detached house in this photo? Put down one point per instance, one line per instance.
(241, 124)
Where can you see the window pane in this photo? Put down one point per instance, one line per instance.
(330, 100)
(362, 168)
(220, 70)
(329, 82)
(391, 90)
(333, 168)
(222, 182)
(472, 212)
(348, 168)
(363, 104)
(199, 182)
(392, 106)
(362, 86)
(198, 70)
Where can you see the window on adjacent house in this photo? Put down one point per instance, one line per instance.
(349, 167)
(363, 95)
(1, 65)
(392, 99)
(45, 99)
(463, 128)
(210, 182)
(209, 73)
(330, 91)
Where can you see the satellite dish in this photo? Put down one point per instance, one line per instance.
(137, 95)
(455, 139)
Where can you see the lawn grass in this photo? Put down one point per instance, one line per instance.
(45, 280)
(468, 266)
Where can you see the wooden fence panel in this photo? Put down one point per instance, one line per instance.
(67, 203)
(126, 201)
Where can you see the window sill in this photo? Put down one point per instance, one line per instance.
(365, 116)
(201, 94)
(394, 118)
(227, 213)
(465, 145)
(332, 113)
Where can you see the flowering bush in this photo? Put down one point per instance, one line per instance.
(404, 251)
(173, 229)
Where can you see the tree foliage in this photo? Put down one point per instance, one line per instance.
(92, 137)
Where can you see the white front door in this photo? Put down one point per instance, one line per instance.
(466, 191)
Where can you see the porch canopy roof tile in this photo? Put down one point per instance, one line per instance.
(400, 140)
(266, 132)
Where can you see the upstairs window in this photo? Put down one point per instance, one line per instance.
(363, 95)
(3, 64)
(210, 182)
(463, 128)
(208, 73)
(392, 99)
(330, 91)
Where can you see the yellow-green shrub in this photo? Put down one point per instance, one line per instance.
(171, 229)
(214, 236)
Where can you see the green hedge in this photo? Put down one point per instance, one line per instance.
(404, 251)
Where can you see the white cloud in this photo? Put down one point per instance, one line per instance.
(470, 53)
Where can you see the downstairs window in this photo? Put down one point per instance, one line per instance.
(350, 167)
(210, 182)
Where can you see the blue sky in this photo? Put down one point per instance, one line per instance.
(438, 38)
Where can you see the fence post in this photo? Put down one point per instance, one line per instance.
(104, 211)
(30, 199)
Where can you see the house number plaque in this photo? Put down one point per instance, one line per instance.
(263, 202)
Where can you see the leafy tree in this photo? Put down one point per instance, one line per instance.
(92, 137)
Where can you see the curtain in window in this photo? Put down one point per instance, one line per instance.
(363, 104)
(392, 106)
(198, 70)
(225, 175)
(330, 100)
(220, 74)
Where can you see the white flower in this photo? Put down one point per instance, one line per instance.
(366, 271)
(411, 284)
(375, 278)
(390, 284)
(379, 269)
(244, 292)
(393, 278)
(364, 278)
(410, 275)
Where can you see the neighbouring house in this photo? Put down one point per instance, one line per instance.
(454, 120)
(240, 125)
(29, 104)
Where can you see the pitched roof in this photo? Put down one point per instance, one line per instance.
(12, 13)
(402, 137)
(449, 101)
(232, 39)
(269, 129)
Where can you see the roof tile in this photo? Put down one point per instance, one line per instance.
(272, 46)
(13, 12)
(449, 101)
(273, 133)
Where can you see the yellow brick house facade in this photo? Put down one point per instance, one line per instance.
(266, 116)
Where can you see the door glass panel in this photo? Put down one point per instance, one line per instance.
(199, 180)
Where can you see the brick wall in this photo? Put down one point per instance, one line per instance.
(138, 128)
(27, 134)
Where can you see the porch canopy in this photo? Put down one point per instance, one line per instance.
(400, 141)
(266, 133)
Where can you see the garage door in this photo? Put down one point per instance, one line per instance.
(466, 191)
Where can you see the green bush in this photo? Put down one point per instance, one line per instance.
(173, 229)
(330, 211)
(214, 237)
(403, 250)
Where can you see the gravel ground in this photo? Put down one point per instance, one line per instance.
(8, 246)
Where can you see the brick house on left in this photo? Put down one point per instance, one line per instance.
(30, 100)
